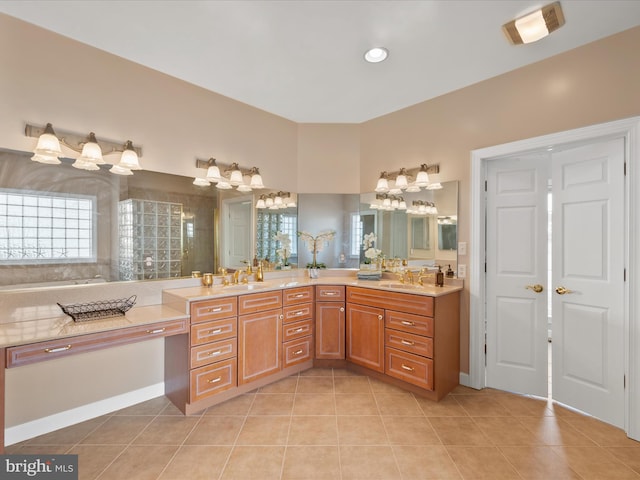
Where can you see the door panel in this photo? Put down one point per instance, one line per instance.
(588, 252)
(517, 258)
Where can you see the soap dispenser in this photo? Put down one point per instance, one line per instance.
(439, 277)
(449, 272)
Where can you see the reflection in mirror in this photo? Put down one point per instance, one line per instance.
(423, 240)
(338, 212)
(61, 224)
(235, 229)
(268, 222)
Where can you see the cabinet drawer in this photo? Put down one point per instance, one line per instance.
(213, 352)
(410, 368)
(38, 352)
(213, 331)
(295, 330)
(294, 313)
(298, 351)
(214, 309)
(258, 302)
(408, 342)
(333, 293)
(406, 322)
(292, 296)
(402, 302)
(212, 379)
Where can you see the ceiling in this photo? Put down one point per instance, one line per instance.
(303, 60)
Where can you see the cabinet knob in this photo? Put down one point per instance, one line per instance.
(380, 317)
(342, 309)
(281, 316)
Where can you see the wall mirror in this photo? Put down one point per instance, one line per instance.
(424, 240)
(62, 225)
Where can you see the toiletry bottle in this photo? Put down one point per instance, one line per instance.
(439, 277)
(449, 272)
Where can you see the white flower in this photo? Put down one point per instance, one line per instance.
(372, 253)
(368, 240)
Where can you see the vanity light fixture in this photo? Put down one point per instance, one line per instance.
(229, 176)
(535, 25)
(376, 54)
(385, 201)
(421, 207)
(91, 151)
(409, 179)
(201, 182)
(261, 202)
(276, 201)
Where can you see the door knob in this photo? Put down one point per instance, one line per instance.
(562, 290)
(536, 288)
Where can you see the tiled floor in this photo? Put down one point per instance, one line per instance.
(330, 424)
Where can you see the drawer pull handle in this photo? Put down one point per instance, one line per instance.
(329, 294)
(299, 295)
(157, 330)
(214, 380)
(215, 310)
(407, 342)
(214, 331)
(298, 313)
(411, 324)
(217, 352)
(301, 329)
(58, 349)
(407, 367)
(298, 352)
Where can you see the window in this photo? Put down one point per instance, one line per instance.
(268, 225)
(37, 227)
(356, 235)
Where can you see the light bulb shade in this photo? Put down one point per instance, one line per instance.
(91, 151)
(395, 203)
(129, 158)
(201, 182)
(260, 202)
(118, 170)
(401, 180)
(244, 188)
(277, 201)
(422, 177)
(382, 186)
(85, 165)
(236, 175)
(213, 173)
(412, 188)
(223, 185)
(48, 159)
(386, 202)
(269, 202)
(402, 205)
(256, 179)
(48, 146)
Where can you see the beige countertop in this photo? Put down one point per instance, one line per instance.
(179, 298)
(63, 326)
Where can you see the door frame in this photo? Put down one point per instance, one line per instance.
(629, 129)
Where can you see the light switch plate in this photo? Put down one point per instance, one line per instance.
(462, 271)
(462, 248)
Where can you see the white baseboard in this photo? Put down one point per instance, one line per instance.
(67, 418)
(465, 379)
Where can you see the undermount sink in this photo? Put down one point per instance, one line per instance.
(245, 287)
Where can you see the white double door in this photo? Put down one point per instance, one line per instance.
(586, 261)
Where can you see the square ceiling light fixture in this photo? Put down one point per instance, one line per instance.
(535, 25)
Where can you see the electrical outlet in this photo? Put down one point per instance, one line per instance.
(462, 271)
(462, 248)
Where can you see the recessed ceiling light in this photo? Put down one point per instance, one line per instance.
(376, 54)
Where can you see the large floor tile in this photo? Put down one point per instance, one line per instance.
(458, 431)
(118, 430)
(254, 462)
(272, 404)
(368, 463)
(93, 459)
(236, 406)
(397, 404)
(315, 384)
(314, 404)
(216, 430)
(425, 463)
(356, 404)
(311, 463)
(480, 463)
(410, 431)
(539, 463)
(140, 462)
(166, 430)
(313, 430)
(196, 462)
(264, 430)
(361, 430)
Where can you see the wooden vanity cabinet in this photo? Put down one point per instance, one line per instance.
(259, 335)
(297, 328)
(419, 337)
(365, 336)
(330, 322)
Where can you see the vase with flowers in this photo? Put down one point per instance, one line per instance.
(372, 255)
(315, 244)
(284, 251)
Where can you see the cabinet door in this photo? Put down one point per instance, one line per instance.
(259, 345)
(330, 330)
(365, 336)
